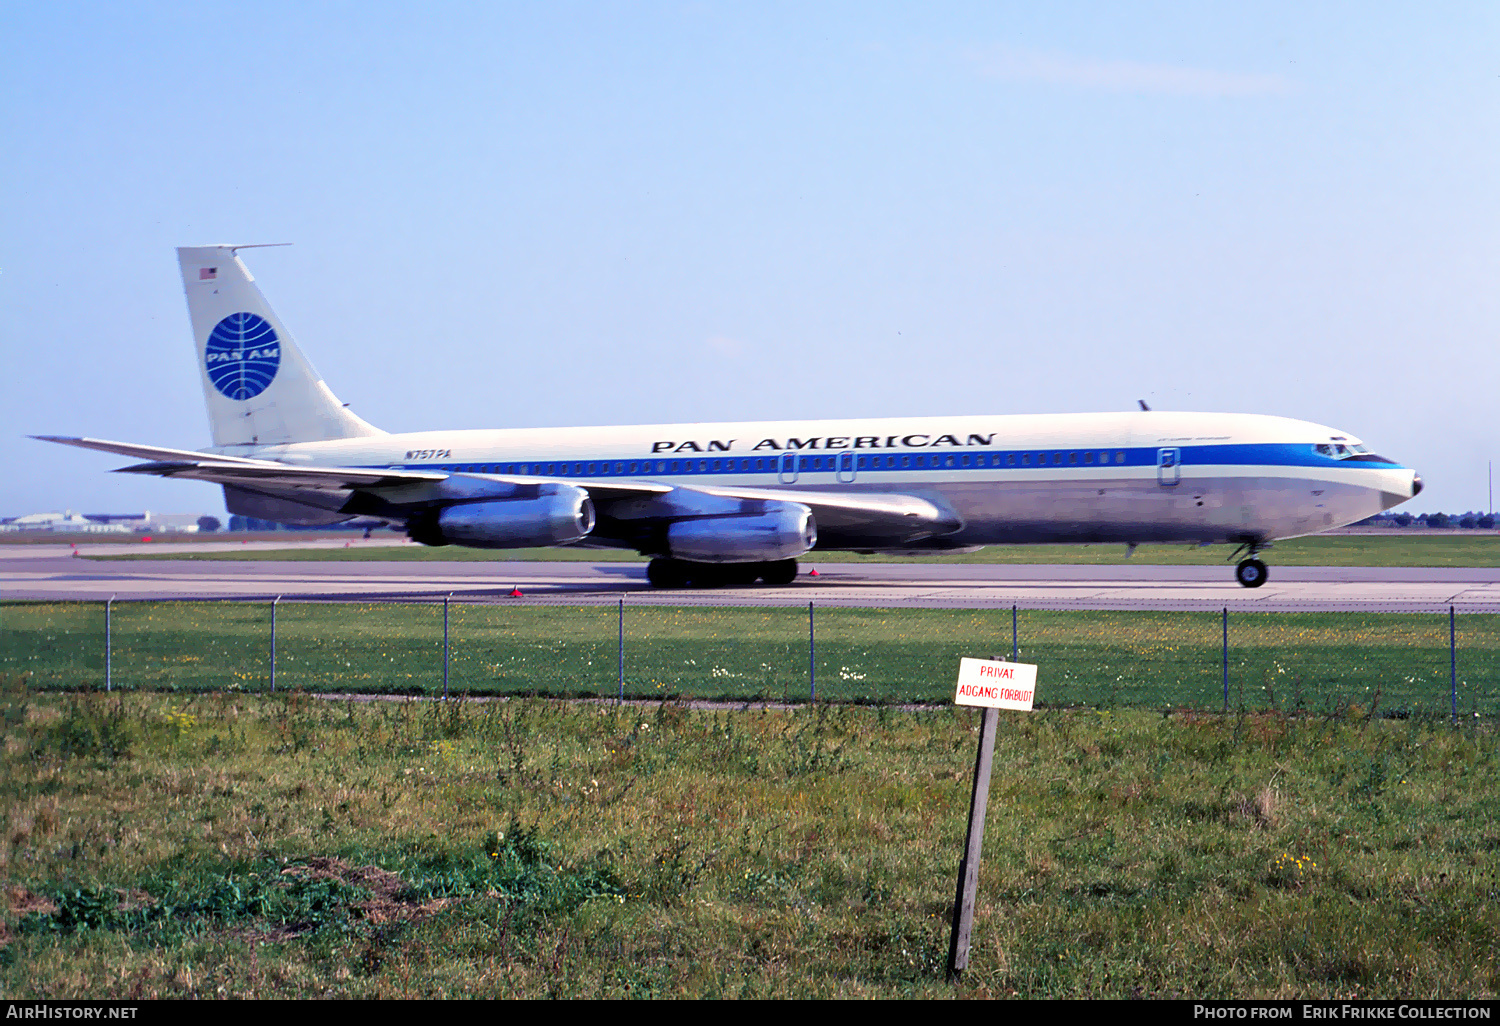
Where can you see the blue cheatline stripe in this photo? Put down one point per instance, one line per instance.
(1189, 456)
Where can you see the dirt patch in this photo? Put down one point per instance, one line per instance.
(384, 904)
(20, 902)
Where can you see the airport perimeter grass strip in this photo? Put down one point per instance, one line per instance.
(1450, 549)
(1395, 663)
(234, 846)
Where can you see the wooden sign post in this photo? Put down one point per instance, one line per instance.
(992, 685)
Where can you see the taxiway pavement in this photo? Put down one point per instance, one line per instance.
(42, 572)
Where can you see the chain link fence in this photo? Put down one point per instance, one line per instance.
(1435, 663)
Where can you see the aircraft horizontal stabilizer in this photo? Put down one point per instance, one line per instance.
(140, 452)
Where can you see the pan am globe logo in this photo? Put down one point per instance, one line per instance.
(242, 355)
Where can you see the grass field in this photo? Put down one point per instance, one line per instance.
(234, 846)
(1439, 549)
(1390, 662)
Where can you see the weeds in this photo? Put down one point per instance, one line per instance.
(91, 726)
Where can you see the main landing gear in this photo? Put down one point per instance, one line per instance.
(680, 573)
(1250, 572)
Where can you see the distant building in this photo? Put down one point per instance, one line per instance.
(69, 522)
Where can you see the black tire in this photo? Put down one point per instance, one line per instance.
(782, 571)
(1251, 573)
(667, 573)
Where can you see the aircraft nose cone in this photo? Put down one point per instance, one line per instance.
(1416, 485)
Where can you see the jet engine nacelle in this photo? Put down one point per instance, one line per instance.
(782, 531)
(549, 514)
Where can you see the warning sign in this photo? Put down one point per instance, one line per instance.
(996, 684)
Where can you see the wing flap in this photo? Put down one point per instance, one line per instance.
(881, 513)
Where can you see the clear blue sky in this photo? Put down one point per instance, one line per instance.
(511, 214)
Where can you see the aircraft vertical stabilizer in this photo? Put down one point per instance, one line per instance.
(259, 388)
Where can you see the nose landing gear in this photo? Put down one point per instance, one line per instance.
(1250, 572)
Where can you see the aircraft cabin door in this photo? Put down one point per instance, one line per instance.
(846, 468)
(787, 468)
(1168, 467)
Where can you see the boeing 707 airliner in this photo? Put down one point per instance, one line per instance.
(740, 503)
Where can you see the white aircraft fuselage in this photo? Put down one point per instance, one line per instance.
(1136, 477)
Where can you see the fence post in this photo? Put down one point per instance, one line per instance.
(446, 599)
(812, 671)
(1225, 660)
(108, 645)
(1015, 648)
(621, 630)
(1452, 666)
(274, 601)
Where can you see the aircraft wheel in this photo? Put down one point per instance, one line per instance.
(782, 571)
(1251, 573)
(667, 573)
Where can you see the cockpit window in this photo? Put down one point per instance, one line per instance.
(1340, 451)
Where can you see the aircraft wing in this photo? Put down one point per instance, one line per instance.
(844, 519)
